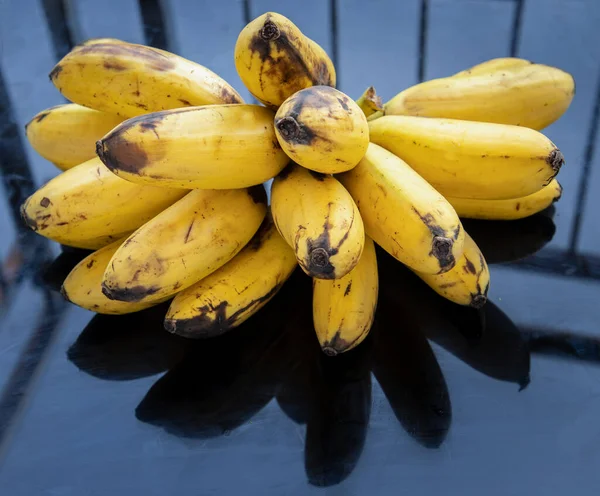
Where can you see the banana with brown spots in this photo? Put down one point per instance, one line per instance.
(403, 214)
(468, 282)
(83, 285)
(209, 147)
(322, 129)
(465, 159)
(89, 207)
(183, 244)
(66, 135)
(128, 79)
(505, 91)
(275, 60)
(232, 294)
(512, 209)
(319, 219)
(344, 309)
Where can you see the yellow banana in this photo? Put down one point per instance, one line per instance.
(128, 79)
(512, 209)
(403, 213)
(468, 282)
(183, 244)
(89, 207)
(322, 129)
(66, 135)
(343, 309)
(209, 147)
(236, 291)
(83, 285)
(530, 95)
(370, 102)
(275, 60)
(493, 65)
(465, 159)
(319, 220)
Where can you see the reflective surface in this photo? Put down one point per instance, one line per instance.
(438, 400)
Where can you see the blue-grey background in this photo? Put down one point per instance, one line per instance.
(544, 440)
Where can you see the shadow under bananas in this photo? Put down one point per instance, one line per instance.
(223, 381)
(215, 385)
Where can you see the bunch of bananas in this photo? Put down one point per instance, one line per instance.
(164, 166)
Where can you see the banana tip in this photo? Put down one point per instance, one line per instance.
(478, 301)
(270, 31)
(556, 160)
(329, 351)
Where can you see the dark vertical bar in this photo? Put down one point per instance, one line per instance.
(15, 173)
(20, 380)
(516, 28)
(424, 24)
(60, 31)
(584, 179)
(334, 39)
(247, 11)
(154, 24)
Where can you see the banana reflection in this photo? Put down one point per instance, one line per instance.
(216, 385)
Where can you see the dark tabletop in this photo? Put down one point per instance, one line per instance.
(438, 400)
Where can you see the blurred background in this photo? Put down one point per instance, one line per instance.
(390, 44)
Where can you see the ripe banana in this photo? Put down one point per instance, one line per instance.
(322, 129)
(183, 244)
(236, 291)
(319, 220)
(530, 95)
(493, 65)
(512, 209)
(66, 135)
(343, 309)
(275, 60)
(403, 213)
(83, 285)
(89, 207)
(210, 147)
(370, 102)
(468, 282)
(128, 79)
(465, 159)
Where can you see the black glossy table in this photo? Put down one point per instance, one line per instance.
(438, 400)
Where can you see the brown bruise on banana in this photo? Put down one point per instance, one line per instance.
(213, 319)
(120, 154)
(319, 251)
(442, 242)
(129, 294)
(291, 69)
(479, 298)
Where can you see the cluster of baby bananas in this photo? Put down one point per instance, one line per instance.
(164, 166)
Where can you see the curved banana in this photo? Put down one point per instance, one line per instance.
(403, 213)
(89, 207)
(275, 60)
(183, 244)
(468, 282)
(465, 159)
(128, 79)
(210, 147)
(322, 129)
(370, 102)
(344, 309)
(83, 285)
(319, 220)
(236, 291)
(512, 209)
(493, 65)
(530, 95)
(66, 135)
